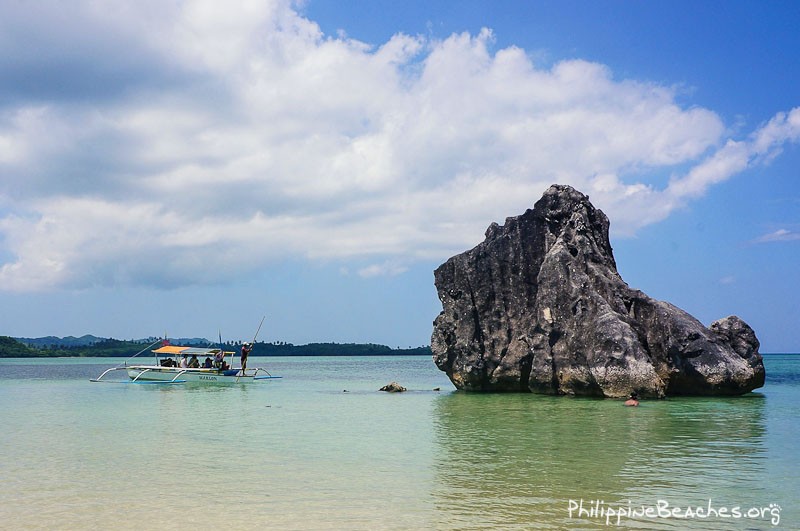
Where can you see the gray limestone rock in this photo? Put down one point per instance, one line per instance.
(539, 307)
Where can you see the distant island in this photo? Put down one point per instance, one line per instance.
(91, 346)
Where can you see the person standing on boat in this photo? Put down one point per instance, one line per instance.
(246, 348)
(184, 362)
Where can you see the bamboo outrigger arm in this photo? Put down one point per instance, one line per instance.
(106, 372)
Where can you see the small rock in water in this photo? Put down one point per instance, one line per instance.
(393, 387)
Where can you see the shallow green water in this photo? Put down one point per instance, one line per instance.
(301, 453)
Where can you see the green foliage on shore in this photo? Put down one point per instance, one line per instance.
(11, 348)
(335, 349)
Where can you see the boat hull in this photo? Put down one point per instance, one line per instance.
(178, 375)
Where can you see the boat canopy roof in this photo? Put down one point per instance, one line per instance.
(176, 350)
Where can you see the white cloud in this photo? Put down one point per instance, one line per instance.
(254, 136)
(735, 156)
(780, 235)
(387, 268)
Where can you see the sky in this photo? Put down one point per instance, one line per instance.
(187, 168)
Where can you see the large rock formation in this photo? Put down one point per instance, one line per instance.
(540, 307)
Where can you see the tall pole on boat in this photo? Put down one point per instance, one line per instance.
(254, 338)
(259, 329)
(145, 348)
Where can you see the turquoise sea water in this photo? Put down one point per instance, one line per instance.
(301, 453)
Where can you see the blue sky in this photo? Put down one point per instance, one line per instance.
(187, 168)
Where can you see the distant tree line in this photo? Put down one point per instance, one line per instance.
(335, 349)
(12, 348)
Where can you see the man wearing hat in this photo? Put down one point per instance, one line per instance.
(246, 348)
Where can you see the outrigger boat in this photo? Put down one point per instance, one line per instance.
(166, 369)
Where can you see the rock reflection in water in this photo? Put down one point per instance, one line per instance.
(516, 460)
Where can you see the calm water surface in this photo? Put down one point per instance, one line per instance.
(301, 453)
